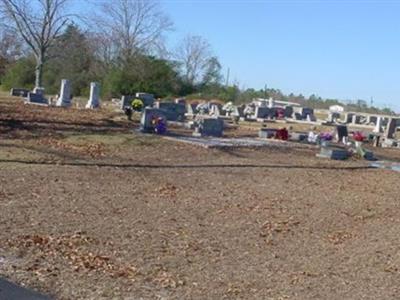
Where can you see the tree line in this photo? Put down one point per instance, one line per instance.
(121, 44)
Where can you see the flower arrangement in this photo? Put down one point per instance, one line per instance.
(326, 136)
(137, 105)
(358, 136)
(159, 125)
(282, 134)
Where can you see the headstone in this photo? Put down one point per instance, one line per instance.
(363, 120)
(262, 103)
(262, 112)
(330, 118)
(349, 118)
(94, 98)
(273, 112)
(342, 132)
(356, 119)
(180, 101)
(305, 111)
(209, 127)
(148, 115)
(375, 141)
(34, 98)
(271, 103)
(240, 110)
(172, 111)
(297, 116)
(266, 133)
(288, 111)
(214, 111)
(249, 110)
(333, 153)
(203, 108)
(298, 137)
(64, 99)
(378, 126)
(311, 118)
(126, 101)
(19, 92)
(191, 109)
(148, 99)
(372, 119)
(391, 128)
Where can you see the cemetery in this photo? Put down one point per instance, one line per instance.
(170, 198)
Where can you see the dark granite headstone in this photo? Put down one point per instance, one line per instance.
(333, 153)
(210, 127)
(36, 99)
(391, 128)
(19, 92)
(373, 119)
(349, 118)
(126, 101)
(147, 117)
(288, 111)
(341, 132)
(172, 111)
(262, 112)
(148, 99)
(311, 118)
(305, 111)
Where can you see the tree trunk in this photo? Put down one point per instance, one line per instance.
(39, 72)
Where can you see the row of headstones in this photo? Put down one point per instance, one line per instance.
(173, 111)
(215, 110)
(358, 119)
(204, 125)
(252, 111)
(63, 100)
(296, 113)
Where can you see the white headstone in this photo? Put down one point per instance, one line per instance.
(94, 99)
(64, 99)
(378, 125)
(271, 103)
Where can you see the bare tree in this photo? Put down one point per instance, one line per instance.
(38, 22)
(133, 26)
(194, 55)
(10, 48)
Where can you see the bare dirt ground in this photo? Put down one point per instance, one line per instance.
(91, 210)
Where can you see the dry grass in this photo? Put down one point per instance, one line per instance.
(159, 220)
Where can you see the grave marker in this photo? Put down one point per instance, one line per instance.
(94, 99)
(34, 98)
(64, 99)
(19, 92)
(146, 122)
(209, 127)
(391, 128)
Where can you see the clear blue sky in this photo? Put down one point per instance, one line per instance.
(338, 49)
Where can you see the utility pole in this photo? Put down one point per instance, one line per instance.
(265, 92)
(227, 77)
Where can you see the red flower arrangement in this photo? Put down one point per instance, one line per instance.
(358, 136)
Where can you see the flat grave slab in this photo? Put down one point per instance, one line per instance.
(215, 142)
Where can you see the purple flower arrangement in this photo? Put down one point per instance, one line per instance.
(326, 136)
(160, 126)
